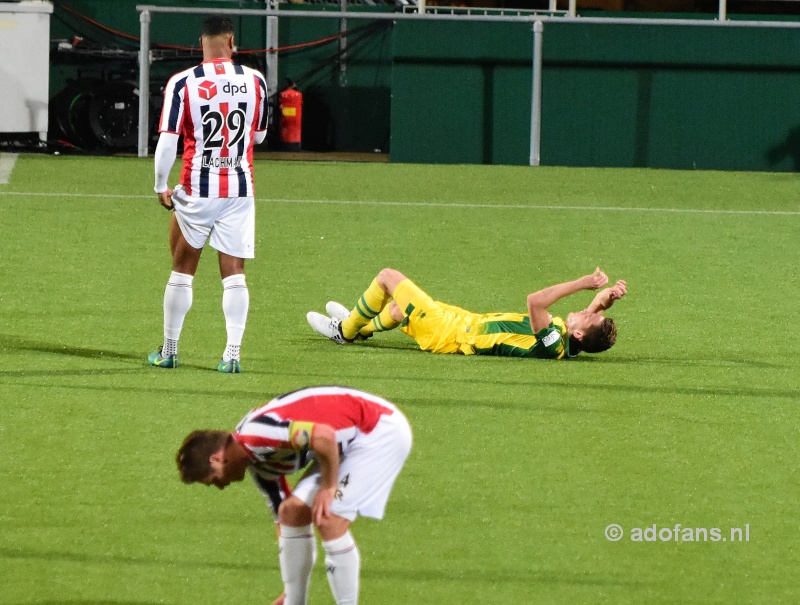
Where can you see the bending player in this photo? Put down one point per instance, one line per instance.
(393, 300)
(353, 446)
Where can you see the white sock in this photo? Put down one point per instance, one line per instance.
(298, 551)
(343, 564)
(235, 303)
(170, 347)
(177, 302)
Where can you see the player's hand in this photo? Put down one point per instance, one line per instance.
(165, 199)
(605, 298)
(280, 599)
(596, 280)
(618, 290)
(321, 509)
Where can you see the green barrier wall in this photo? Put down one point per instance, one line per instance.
(454, 92)
(461, 92)
(612, 95)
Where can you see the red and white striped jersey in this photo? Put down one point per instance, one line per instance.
(218, 107)
(277, 435)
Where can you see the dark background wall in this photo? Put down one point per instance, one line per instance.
(450, 92)
(612, 95)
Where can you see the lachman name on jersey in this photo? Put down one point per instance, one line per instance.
(229, 162)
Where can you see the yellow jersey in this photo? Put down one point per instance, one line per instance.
(441, 328)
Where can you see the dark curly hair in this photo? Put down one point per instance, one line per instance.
(599, 338)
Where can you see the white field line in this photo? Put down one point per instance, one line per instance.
(7, 161)
(438, 204)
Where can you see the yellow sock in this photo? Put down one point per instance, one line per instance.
(368, 306)
(384, 321)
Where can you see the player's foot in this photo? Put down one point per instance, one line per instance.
(168, 362)
(337, 310)
(232, 366)
(328, 327)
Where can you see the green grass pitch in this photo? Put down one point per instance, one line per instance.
(518, 466)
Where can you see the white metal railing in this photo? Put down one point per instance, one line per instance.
(472, 11)
(146, 11)
(536, 21)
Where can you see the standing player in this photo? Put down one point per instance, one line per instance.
(354, 444)
(220, 110)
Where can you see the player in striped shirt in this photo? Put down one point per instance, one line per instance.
(220, 110)
(352, 446)
(393, 300)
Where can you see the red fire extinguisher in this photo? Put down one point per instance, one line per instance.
(291, 103)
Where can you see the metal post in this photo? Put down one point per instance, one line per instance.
(573, 8)
(536, 100)
(723, 10)
(144, 83)
(343, 48)
(421, 7)
(272, 57)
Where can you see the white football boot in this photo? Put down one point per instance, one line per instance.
(328, 327)
(337, 310)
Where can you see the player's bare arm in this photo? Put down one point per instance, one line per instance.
(539, 301)
(607, 297)
(323, 443)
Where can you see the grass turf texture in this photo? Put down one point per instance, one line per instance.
(518, 465)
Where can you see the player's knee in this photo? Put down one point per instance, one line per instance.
(333, 527)
(395, 311)
(389, 278)
(294, 512)
(388, 274)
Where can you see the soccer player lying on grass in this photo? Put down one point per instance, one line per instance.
(394, 300)
(352, 445)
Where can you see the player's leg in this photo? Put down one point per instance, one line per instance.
(367, 474)
(388, 319)
(298, 549)
(368, 307)
(185, 256)
(372, 302)
(342, 326)
(235, 305)
(177, 295)
(342, 559)
(233, 236)
(366, 477)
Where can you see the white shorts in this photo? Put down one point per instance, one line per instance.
(367, 470)
(229, 221)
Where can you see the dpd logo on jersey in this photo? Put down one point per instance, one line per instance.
(232, 89)
(207, 90)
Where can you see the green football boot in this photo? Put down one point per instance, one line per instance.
(168, 362)
(229, 367)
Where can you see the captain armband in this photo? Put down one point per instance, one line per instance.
(551, 338)
(300, 434)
